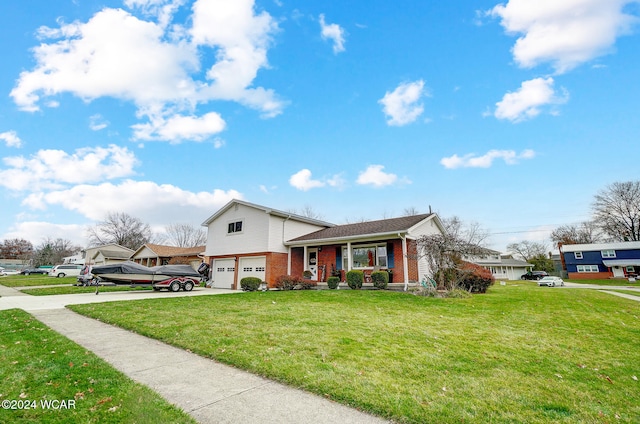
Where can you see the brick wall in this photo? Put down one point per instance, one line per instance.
(589, 275)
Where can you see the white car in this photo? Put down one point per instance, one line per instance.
(550, 281)
(65, 270)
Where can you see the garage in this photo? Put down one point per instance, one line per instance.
(223, 273)
(252, 266)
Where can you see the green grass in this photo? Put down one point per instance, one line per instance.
(607, 282)
(631, 292)
(46, 291)
(39, 365)
(515, 354)
(34, 280)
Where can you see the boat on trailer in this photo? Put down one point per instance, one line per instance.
(171, 277)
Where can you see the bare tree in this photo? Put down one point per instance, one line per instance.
(584, 233)
(52, 252)
(185, 235)
(307, 211)
(446, 251)
(528, 249)
(122, 229)
(16, 249)
(410, 211)
(616, 210)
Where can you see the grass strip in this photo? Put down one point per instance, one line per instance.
(46, 378)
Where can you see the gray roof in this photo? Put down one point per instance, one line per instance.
(369, 228)
(113, 254)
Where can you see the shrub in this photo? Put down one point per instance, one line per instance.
(355, 279)
(477, 279)
(380, 279)
(250, 283)
(333, 282)
(287, 282)
(457, 294)
(306, 285)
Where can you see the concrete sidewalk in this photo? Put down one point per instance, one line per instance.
(207, 390)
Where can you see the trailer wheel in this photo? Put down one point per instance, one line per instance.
(188, 286)
(174, 286)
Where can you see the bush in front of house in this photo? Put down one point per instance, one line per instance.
(477, 279)
(380, 279)
(306, 285)
(355, 279)
(333, 282)
(287, 282)
(250, 283)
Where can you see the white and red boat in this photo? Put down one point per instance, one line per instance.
(171, 277)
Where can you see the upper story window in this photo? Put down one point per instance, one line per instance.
(578, 255)
(608, 253)
(234, 227)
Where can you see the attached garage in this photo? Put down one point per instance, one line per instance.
(252, 266)
(223, 273)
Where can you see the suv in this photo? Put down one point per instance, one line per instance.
(533, 275)
(64, 270)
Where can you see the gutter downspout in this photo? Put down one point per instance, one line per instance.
(405, 262)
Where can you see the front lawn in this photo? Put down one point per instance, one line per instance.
(46, 378)
(516, 354)
(607, 282)
(34, 280)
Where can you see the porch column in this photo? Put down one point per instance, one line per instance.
(304, 258)
(289, 262)
(348, 257)
(405, 263)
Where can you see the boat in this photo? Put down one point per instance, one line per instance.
(171, 277)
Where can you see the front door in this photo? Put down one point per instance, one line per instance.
(312, 262)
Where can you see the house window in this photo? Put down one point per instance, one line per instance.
(234, 227)
(587, 268)
(608, 253)
(630, 269)
(578, 255)
(366, 257)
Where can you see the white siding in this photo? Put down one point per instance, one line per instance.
(283, 229)
(253, 238)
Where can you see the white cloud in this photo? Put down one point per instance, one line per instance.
(525, 103)
(510, 157)
(334, 33)
(178, 128)
(563, 33)
(153, 203)
(11, 139)
(37, 231)
(375, 176)
(97, 122)
(155, 65)
(52, 169)
(302, 181)
(402, 106)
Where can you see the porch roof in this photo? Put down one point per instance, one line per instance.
(360, 230)
(621, 262)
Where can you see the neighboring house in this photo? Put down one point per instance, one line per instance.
(77, 258)
(601, 260)
(502, 266)
(106, 254)
(245, 239)
(156, 254)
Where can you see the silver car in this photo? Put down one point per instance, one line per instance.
(551, 281)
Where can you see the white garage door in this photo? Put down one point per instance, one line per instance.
(223, 272)
(254, 266)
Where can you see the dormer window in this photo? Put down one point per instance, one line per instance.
(578, 255)
(234, 227)
(608, 253)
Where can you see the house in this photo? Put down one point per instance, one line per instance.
(151, 254)
(245, 239)
(106, 254)
(77, 258)
(502, 266)
(601, 260)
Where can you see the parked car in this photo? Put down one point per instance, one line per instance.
(551, 281)
(533, 275)
(65, 269)
(28, 271)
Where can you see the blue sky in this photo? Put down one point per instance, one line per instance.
(512, 115)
